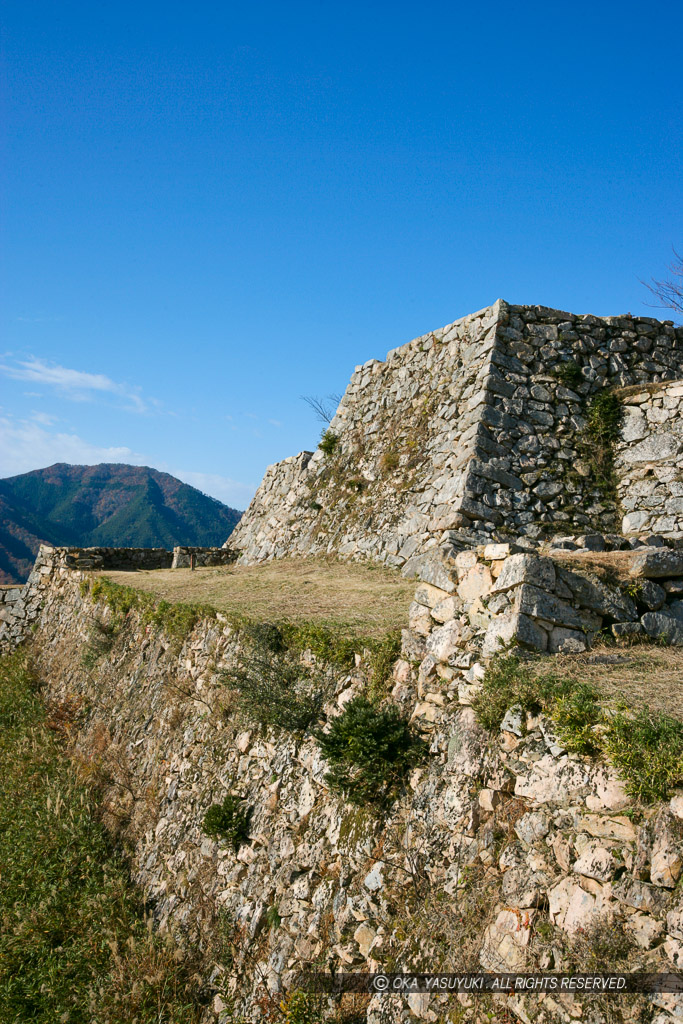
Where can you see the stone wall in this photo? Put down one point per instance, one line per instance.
(184, 557)
(502, 847)
(478, 427)
(649, 460)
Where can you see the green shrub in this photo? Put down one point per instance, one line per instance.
(647, 750)
(328, 442)
(370, 751)
(275, 689)
(228, 821)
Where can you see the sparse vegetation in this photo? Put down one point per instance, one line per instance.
(645, 747)
(76, 944)
(177, 619)
(228, 821)
(389, 461)
(599, 437)
(273, 686)
(569, 374)
(370, 752)
(328, 442)
(100, 642)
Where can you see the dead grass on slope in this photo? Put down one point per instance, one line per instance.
(364, 596)
(644, 675)
(612, 566)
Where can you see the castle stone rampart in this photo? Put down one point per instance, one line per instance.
(476, 429)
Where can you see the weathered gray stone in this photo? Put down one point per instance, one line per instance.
(525, 568)
(511, 628)
(657, 563)
(665, 627)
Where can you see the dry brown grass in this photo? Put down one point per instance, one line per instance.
(644, 675)
(612, 566)
(365, 596)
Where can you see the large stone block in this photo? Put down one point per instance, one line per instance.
(657, 563)
(526, 568)
(513, 628)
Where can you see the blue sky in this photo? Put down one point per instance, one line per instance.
(212, 209)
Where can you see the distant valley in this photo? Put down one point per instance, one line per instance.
(106, 505)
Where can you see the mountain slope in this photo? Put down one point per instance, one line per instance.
(106, 505)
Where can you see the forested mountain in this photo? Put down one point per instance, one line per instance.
(109, 505)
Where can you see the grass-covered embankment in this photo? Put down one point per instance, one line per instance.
(75, 945)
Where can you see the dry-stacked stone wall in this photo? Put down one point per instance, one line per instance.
(649, 460)
(503, 850)
(478, 428)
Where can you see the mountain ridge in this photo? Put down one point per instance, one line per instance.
(108, 504)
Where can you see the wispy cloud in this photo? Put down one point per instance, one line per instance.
(231, 492)
(26, 445)
(76, 385)
(44, 418)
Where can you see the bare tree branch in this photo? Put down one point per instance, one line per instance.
(324, 408)
(670, 292)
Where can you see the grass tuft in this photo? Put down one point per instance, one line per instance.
(645, 747)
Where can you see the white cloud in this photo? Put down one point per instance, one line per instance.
(27, 445)
(43, 418)
(76, 385)
(230, 492)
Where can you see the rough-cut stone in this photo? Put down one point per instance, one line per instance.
(595, 862)
(524, 568)
(511, 628)
(661, 626)
(657, 563)
(506, 940)
(443, 642)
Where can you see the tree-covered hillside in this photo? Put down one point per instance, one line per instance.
(109, 505)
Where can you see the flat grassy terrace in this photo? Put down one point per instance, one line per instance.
(368, 598)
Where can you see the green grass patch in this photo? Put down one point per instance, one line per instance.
(175, 618)
(75, 942)
(646, 748)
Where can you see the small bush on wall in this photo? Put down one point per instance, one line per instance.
(228, 821)
(370, 751)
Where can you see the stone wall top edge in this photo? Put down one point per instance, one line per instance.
(400, 349)
(650, 389)
(608, 319)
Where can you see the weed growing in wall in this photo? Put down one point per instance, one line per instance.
(228, 821)
(599, 438)
(370, 751)
(101, 637)
(569, 374)
(328, 442)
(275, 689)
(177, 620)
(645, 748)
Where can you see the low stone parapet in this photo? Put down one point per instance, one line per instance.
(195, 558)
